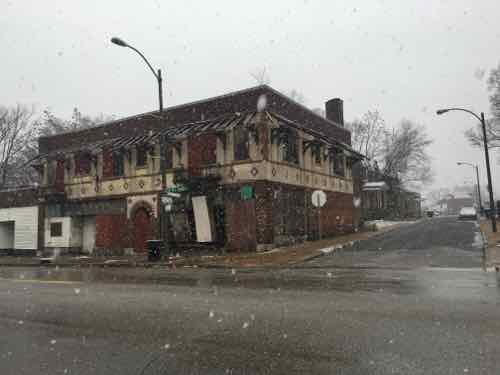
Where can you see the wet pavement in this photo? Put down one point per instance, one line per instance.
(415, 300)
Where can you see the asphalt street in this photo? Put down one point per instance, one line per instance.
(415, 300)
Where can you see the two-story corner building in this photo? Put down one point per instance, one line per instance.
(244, 176)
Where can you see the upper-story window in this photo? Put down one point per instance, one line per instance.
(291, 147)
(241, 143)
(141, 159)
(169, 155)
(83, 164)
(118, 164)
(338, 163)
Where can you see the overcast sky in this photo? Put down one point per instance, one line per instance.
(402, 58)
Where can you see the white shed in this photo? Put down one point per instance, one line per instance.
(19, 228)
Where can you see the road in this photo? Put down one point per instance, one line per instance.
(411, 301)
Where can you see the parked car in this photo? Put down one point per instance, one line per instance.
(467, 213)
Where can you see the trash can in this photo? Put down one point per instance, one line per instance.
(155, 248)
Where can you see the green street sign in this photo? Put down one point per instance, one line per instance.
(179, 188)
(247, 192)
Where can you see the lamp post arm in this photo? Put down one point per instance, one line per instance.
(145, 60)
(465, 110)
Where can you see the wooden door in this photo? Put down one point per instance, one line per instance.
(242, 224)
(142, 229)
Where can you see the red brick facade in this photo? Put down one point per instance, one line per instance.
(112, 232)
(283, 214)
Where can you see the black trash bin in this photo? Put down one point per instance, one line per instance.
(155, 249)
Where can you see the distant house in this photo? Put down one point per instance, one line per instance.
(455, 201)
(383, 197)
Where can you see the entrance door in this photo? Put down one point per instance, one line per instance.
(88, 234)
(142, 229)
(242, 225)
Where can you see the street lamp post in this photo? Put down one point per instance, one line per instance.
(487, 157)
(476, 169)
(157, 74)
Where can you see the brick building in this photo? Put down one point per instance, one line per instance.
(244, 177)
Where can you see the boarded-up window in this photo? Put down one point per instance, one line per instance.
(141, 156)
(112, 164)
(202, 151)
(241, 143)
(82, 164)
(107, 163)
(56, 229)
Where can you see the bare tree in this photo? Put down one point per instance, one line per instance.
(16, 131)
(261, 76)
(405, 156)
(49, 124)
(368, 134)
(475, 135)
(19, 140)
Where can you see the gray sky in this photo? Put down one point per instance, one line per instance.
(404, 59)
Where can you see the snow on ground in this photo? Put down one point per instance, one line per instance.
(386, 223)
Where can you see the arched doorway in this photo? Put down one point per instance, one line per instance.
(143, 229)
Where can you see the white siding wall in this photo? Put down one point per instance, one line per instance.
(26, 225)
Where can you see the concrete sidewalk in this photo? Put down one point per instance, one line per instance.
(492, 246)
(279, 257)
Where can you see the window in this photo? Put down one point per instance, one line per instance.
(51, 173)
(169, 162)
(118, 169)
(338, 163)
(290, 147)
(316, 150)
(56, 229)
(82, 164)
(241, 143)
(141, 156)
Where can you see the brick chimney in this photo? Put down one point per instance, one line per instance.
(334, 109)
